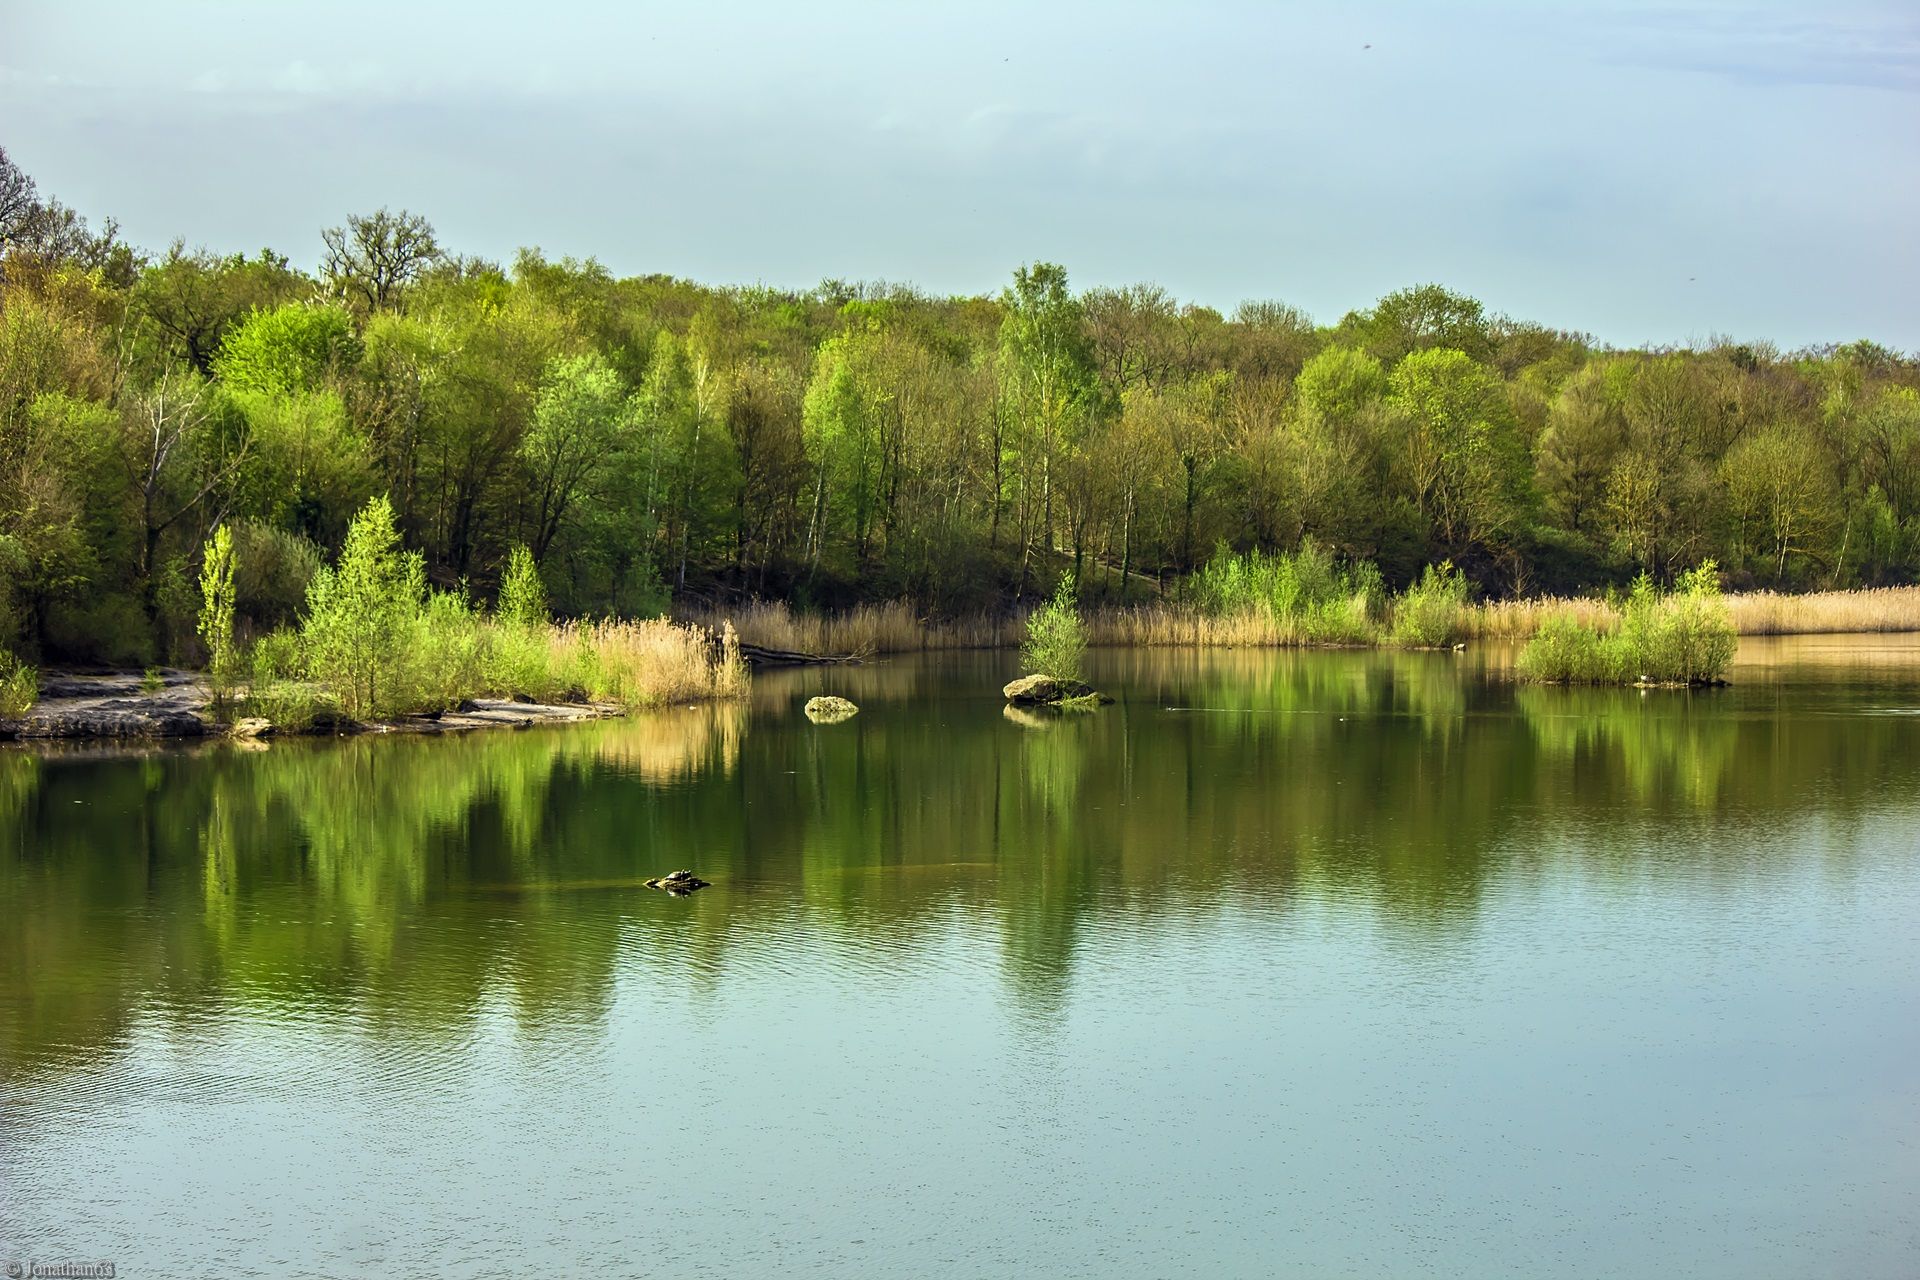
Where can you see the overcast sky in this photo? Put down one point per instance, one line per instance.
(1646, 172)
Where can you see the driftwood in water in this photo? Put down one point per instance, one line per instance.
(761, 656)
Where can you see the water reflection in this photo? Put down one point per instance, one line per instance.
(417, 883)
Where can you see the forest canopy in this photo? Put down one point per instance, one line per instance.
(649, 437)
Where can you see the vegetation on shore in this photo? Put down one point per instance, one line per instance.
(375, 641)
(19, 686)
(1682, 636)
(654, 443)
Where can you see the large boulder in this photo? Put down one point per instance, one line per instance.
(830, 710)
(1039, 690)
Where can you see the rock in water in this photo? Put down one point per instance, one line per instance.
(678, 883)
(830, 710)
(1037, 690)
(251, 727)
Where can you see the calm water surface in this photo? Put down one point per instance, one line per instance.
(1325, 964)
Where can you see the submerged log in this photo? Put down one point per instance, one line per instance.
(761, 656)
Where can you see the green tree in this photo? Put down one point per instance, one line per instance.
(1462, 453)
(572, 441)
(216, 617)
(1049, 366)
(360, 614)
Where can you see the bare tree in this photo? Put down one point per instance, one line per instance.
(19, 200)
(374, 257)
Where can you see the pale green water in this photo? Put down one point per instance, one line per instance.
(1326, 964)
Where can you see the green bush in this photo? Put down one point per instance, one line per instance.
(1056, 638)
(19, 686)
(1431, 613)
(277, 687)
(271, 573)
(447, 660)
(1685, 636)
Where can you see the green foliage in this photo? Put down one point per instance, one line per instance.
(1056, 642)
(1323, 601)
(651, 437)
(447, 660)
(1430, 612)
(287, 350)
(272, 569)
(523, 597)
(1685, 636)
(361, 614)
(216, 618)
(152, 681)
(19, 686)
(277, 687)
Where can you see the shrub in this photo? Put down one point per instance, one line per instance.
(1685, 636)
(1431, 613)
(271, 572)
(1565, 650)
(276, 685)
(19, 686)
(447, 660)
(1056, 638)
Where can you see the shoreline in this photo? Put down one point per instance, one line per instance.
(120, 706)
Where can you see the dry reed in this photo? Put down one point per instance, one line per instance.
(863, 631)
(640, 664)
(894, 626)
(1768, 613)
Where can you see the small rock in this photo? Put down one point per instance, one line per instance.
(251, 727)
(678, 883)
(830, 710)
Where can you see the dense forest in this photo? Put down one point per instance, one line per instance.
(650, 438)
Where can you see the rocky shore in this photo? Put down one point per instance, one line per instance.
(128, 705)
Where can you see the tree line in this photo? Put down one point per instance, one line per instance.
(648, 438)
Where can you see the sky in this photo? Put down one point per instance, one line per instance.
(1649, 173)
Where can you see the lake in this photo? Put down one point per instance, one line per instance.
(1319, 964)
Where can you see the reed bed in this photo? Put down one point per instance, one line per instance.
(645, 664)
(1768, 613)
(863, 631)
(1184, 626)
(895, 627)
(1520, 619)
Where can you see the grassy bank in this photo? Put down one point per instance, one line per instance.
(896, 628)
(374, 642)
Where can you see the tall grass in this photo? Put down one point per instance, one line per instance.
(19, 686)
(863, 631)
(1519, 619)
(1767, 613)
(1306, 595)
(1429, 613)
